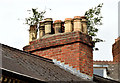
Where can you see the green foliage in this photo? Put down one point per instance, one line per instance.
(36, 18)
(93, 15)
(94, 19)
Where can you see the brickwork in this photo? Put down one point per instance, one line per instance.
(73, 48)
(116, 58)
(59, 39)
(116, 50)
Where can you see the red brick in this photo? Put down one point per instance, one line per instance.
(74, 49)
(116, 50)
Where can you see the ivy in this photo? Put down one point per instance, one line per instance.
(94, 19)
(36, 18)
(93, 15)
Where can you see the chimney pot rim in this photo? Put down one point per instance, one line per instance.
(83, 17)
(57, 21)
(77, 17)
(68, 19)
(48, 19)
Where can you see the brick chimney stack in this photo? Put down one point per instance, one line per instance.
(32, 33)
(116, 50)
(72, 51)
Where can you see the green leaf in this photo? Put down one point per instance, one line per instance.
(36, 16)
(94, 18)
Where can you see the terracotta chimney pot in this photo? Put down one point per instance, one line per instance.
(48, 25)
(58, 26)
(77, 23)
(68, 25)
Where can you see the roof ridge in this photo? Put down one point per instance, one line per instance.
(22, 51)
(102, 60)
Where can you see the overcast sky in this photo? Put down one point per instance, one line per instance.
(14, 33)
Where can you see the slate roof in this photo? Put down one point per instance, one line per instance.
(99, 79)
(36, 67)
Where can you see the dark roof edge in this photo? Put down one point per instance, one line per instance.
(16, 73)
(104, 79)
(41, 58)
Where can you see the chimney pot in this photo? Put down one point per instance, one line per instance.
(77, 23)
(84, 24)
(76, 17)
(83, 17)
(68, 25)
(57, 21)
(48, 19)
(58, 26)
(32, 33)
(48, 25)
(68, 19)
(41, 29)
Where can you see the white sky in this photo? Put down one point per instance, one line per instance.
(14, 33)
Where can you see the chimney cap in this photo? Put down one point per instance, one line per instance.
(77, 17)
(33, 27)
(48, 19)
(57, 21)
(83, 17)
(68, 19)
(42, 23)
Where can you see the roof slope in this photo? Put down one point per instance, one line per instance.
(99, 79)
(32, 66)
(37, 67)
